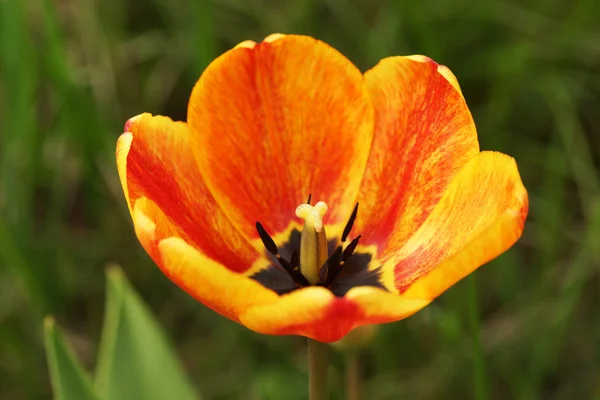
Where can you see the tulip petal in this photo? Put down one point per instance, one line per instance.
(424, 134)
(123, 146)
(314, 312)
(205, 279)
(276, 122)
(155, 162)
(481, 214)
(211, 283)
(317, 313)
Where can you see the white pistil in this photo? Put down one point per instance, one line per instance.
(313, 242)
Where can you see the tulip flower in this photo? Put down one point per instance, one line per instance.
(303, 197)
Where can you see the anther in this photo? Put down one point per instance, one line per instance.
(294, 273)
(350, 223)
(288, 266)
(349, 250)
(334, 266)
(295, 260)
(266, 239)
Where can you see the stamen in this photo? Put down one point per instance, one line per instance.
(294, 273)
(266, 239)
(349, 250)
(295, 260)
(323, 274)
(309, 197)
(288, 266)
(334, 266)
(335, 263)
(349, 224)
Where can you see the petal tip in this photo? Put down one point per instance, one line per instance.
(246, 44)
(273, 37)
(450, 77)
(441, 69)
(420, 58)
(133, 122)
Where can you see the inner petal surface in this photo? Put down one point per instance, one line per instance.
(424, 134)
(156, 163)
(278, 121)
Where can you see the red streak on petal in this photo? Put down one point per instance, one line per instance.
(340, 317)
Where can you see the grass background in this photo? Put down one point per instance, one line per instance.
(526, 326)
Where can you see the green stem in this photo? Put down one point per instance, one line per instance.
(353, 381)
(479, 375)
(317, 370)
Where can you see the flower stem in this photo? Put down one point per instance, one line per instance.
(353, 381)
(479, 373)
(317, 370)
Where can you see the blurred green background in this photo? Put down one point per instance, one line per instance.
(526, 326)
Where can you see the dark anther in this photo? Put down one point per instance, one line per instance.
(322, 274)
(349, 250)
(294, 273)
(289, 266)
(309, 197)
(333, 266)
(348, 226)
(266, 239)
(295, 260)
(286, 265)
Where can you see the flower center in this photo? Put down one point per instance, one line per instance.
(311, 264)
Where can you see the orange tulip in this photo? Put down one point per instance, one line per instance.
(270, 123)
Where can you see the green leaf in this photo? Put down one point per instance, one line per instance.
(69, 380)
(135, 360)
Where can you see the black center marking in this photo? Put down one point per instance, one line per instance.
(343, 270)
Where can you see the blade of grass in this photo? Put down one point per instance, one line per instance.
(69, 380)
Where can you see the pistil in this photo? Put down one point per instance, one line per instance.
(313, 241)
